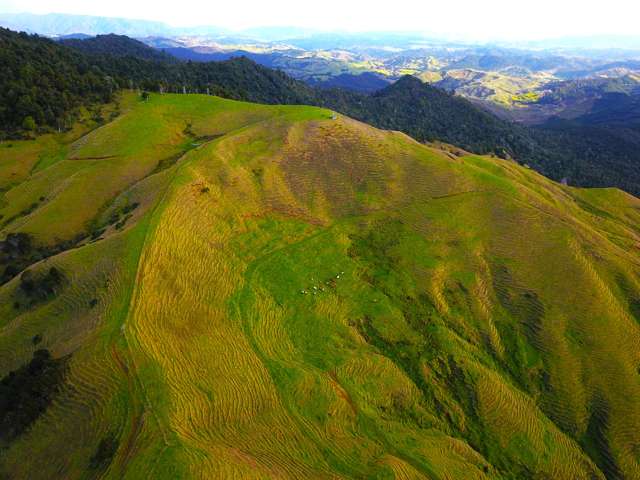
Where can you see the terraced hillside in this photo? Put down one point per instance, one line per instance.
(204, 288)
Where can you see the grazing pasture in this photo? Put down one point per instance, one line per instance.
(250, 291)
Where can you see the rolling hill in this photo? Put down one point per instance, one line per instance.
(204, 288)
(46, 85)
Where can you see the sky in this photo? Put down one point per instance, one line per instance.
(473, 19)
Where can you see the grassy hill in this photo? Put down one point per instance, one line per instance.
(48, 84)
(204, 288)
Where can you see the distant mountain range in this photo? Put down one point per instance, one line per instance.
(498, 75)
(587, 44)
(61, 24)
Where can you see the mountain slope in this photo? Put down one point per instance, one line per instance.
(428, 113)
(270, 292)
(44, 81)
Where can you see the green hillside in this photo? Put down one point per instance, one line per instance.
(204, 288)
(48, 84)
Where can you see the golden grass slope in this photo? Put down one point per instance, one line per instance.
(298, 296)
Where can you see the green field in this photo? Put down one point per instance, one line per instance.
(254, 291)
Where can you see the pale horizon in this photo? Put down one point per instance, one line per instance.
(492, 20)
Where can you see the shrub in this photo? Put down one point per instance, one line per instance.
(29, 124)
(38, 287)
(104, 453)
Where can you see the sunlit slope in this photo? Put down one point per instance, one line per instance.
(296, 296)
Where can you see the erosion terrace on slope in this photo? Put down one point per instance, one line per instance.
(216, 289)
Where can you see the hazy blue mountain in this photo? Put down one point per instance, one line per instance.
(63, 24)
(366, 82)
(55, 24)
(203, 55)
(75, 36)
(270, 34)
(115, 45)
(332, 40)
(602, 42)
